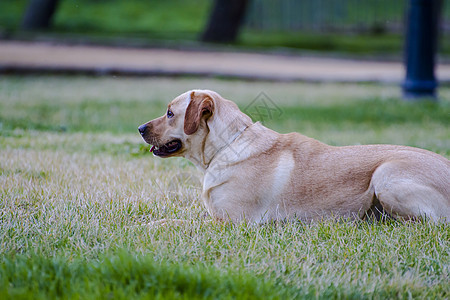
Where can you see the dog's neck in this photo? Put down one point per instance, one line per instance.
(222, 134)
(229, 144)
(212, 149)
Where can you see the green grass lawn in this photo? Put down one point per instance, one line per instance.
(172, 22)
(77, 182)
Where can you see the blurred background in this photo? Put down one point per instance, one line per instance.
(371, 27)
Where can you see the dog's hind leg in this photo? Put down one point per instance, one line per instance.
(407, 194)
(376, 211)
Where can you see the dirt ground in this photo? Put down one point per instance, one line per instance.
(20, 57)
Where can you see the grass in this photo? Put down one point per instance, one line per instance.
(117, 16)
(355, 44)
(124, 276)
(176, 21)
(77, 181)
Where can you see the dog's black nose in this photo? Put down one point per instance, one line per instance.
(142, 129)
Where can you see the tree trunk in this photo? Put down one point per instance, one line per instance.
(225, 20)
(39, 14)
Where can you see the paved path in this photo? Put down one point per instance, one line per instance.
(45, 57)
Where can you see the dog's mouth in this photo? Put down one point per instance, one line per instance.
(167, 149)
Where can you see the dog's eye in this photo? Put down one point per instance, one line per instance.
(169, 114)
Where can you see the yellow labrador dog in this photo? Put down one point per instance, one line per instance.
(254, 174)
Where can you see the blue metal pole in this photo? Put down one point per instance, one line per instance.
(420, 49)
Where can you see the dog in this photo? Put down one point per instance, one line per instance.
(254, 174)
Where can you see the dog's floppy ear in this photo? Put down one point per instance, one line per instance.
(201, 105)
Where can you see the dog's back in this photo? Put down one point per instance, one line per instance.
(346, 181)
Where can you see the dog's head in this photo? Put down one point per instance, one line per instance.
(194, 121)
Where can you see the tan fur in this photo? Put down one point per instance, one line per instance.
(254, 174)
